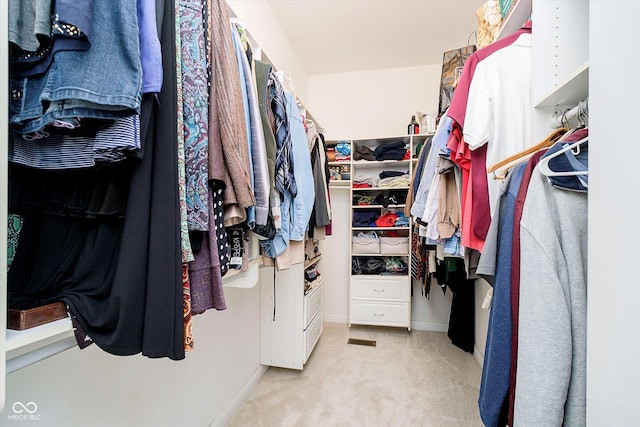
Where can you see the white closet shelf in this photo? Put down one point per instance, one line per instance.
(312, 261)
(379, 254)
(518, 15)
(379, 188)
(376, 163)
(243, 279)
(340, 183)
(379, 228)
(340, 163)
(570, 92)
(376, 206)
(32, 345)
(18, 339)
(29, 346)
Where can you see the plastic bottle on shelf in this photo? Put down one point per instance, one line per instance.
(414, 127)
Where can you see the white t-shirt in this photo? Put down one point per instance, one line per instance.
(499, 105)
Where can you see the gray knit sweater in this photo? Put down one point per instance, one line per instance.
(551, 371)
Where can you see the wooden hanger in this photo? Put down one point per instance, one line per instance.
(523, 155)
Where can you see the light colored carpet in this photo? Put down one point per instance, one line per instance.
(415, 378)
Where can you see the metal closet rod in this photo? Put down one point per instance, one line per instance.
(579, 112)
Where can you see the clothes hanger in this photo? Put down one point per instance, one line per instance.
(475, 38)
(523, 155)
(543, 165)
(286, 81)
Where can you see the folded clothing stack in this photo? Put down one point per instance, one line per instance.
(387, 220)
(363, 152)
(395, 181)
(361, 181)
(378, 265)
(365, 217)
(401, 220)
(363, 199)
(393, 198)
(391, 151)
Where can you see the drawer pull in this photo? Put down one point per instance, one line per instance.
(378, 315)
(378, 290)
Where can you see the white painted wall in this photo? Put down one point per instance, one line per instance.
(91, 387)
(336, 263)
(259, 20)
(374, 103)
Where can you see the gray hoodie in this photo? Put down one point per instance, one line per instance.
(551, 370)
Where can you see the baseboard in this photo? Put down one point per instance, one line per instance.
(478, 356)
(335, 318)
(237, 400)
(419, 325)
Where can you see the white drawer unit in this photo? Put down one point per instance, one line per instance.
(311, 335)
(377, 313)
(291, 321)
(381, 288)
(313, 302)
(381, 234)
(380, 300)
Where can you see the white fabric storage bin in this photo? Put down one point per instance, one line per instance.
(394, 245)
(365, 245)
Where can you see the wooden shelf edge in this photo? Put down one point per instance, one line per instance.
(312, 261)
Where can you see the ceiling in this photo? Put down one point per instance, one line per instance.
(335, 36)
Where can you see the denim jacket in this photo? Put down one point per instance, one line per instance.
(295, 212)
(78, 84)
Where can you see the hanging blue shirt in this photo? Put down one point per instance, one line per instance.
(496, 368)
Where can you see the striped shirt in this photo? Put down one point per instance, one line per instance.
(65, 151)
